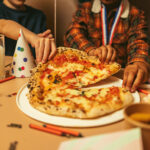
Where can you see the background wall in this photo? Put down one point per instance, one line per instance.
(64, 12)
(47, 6)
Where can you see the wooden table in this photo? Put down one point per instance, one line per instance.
(29, 139)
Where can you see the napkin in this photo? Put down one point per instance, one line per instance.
(23, 60)
(123, 140)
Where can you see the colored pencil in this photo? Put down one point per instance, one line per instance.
(6, 79)
(71, 132)
(143, 91)
(41, 128)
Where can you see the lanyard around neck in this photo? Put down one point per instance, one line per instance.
(105, 38)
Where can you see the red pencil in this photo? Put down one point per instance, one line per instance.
(6, 79)
(143, 91)
(74, 133)
(47, 130)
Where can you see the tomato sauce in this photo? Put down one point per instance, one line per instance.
(60, 59)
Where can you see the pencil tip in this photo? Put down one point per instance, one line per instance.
(80, 135)
(63, 134)
(44, 125)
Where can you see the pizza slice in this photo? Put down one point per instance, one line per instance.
(83, 103)
(75, 68)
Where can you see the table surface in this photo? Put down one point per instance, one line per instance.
(30, 139)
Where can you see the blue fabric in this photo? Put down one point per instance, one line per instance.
(82, 1)
(31, 18)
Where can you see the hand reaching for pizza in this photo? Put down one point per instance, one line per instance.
(105, 53)
(45, 48)
(134, 75)
(46, 34)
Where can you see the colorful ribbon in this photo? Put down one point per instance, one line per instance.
(105, 38)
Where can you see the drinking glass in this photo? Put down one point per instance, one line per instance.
(2, 56)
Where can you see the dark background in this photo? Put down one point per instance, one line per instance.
(145, 5)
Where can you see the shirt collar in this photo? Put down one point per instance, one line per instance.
(96, 7)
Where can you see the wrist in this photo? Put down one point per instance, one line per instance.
(32, 39)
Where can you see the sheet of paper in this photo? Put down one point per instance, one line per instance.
(124, 140)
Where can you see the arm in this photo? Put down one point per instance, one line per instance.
(11, 29)
(45, 48)
(137, 70)
(138, 44)
(77, 35)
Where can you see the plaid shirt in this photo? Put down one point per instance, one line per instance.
(130, 39)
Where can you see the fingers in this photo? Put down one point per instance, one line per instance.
(109, 54)
(37, 46)
(48, 31)
(46, 50)
(53, 49)
(125, 77)
(46, 34)
(104, 53)
(129, 76)
(50, 36)
(134, 75)
(138, 80)
(98, 53)
(39, 49)
(113, 55)
(40, 34)
(91, 52)
(130, 80)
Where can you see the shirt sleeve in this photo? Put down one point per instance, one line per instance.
(43, 23)
(138, 44)
(77, 34)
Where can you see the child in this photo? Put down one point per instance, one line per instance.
(127, 42)
(29, 17)
(45, 47)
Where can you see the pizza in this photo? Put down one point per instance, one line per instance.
(82, 103)
(59, 86)
(73, 67)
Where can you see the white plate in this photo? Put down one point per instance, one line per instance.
(24, 106)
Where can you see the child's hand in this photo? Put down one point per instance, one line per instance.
(105, 53)
(45, 48)
(134, 75)
(46, 34)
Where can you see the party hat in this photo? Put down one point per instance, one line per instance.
(23, 60)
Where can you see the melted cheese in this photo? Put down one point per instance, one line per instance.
(67, 67)
(73, 92)
(91, 92)
(83, 102)
(104, 92)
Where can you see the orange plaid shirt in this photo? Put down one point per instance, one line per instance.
(130, 39)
